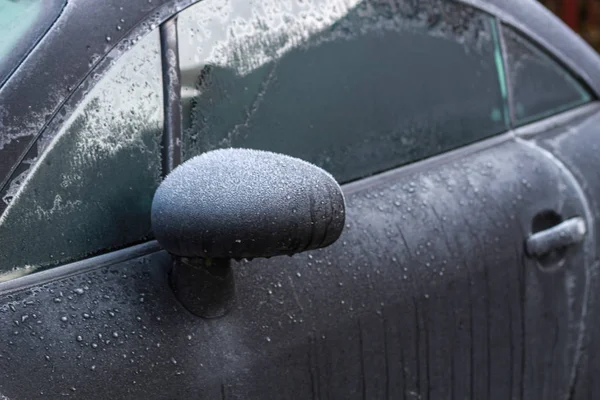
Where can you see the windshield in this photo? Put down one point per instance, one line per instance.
(22, 24)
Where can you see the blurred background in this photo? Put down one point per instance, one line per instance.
(583, 16)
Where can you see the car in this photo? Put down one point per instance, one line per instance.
(297, 199)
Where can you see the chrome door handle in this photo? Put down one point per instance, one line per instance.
(565, 234)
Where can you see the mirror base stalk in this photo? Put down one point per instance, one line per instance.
(205, 287)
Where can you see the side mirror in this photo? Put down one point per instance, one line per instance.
(239, 203)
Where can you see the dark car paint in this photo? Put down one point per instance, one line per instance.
(371, 316)
(427, 293)
(576, 144)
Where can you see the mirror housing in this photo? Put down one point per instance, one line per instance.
(238, 203)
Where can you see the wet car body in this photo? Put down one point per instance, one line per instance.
(428, 293)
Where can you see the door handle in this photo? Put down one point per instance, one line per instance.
(565, 234)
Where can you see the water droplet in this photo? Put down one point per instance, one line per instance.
(268, 339)
(112, 314)
(119, 27)
(93, 368)
(57, 300)
(115, 334)
(298, 274)
(63, 318)
(94, 345)
(426, 296)
(79, 338)
(108, 39)
(86, 315)
(174, 361)
(78, 290)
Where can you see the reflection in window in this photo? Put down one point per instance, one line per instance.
(354, 87)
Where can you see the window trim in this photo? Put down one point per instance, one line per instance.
(507, 78)
(73, 268)
(171, 82)
(542, 126)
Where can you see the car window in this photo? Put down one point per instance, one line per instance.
(540, 85)
(356, 87)
(92, 188)
(22, 23)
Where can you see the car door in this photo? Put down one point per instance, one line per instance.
(427, 294)
(570, 136)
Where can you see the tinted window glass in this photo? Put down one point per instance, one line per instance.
(356, 87)
(22, 23)
(92, 188)
(540, 86)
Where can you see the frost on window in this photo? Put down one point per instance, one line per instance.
(356, 87)
(92, 188)
(540, 86)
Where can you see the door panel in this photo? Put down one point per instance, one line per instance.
(575, 142)
(427, 294)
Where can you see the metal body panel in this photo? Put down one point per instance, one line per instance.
(575, 143)
(428, 292)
